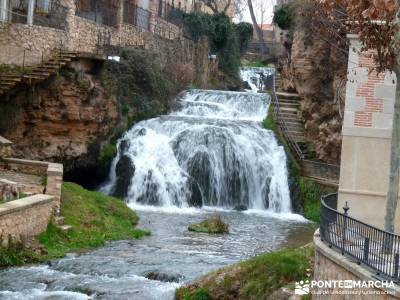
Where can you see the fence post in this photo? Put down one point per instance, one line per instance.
(396, 265)
(366, 249)
(23, 61)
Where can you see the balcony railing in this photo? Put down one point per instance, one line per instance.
(377, 249)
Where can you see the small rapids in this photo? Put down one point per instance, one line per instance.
(211, 151)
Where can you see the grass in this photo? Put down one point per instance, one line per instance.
(95, 219)
(256, 278)
(214, 225)
(268, 122)
(257, 64)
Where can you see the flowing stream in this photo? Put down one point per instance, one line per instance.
(209, 156)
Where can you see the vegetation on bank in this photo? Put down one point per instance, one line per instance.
(228, 40)
(256, 278)
(214, 225)
(95, 219)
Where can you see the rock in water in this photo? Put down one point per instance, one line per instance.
(124, 171)
(240, 207)
(164, 277)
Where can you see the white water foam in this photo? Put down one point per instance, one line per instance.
(211, 152)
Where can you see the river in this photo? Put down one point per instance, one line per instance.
(209, 156)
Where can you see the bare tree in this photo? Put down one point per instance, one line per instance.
(260, 34)
(218, 6)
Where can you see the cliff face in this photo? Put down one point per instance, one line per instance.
(316, 70)
(61, 118)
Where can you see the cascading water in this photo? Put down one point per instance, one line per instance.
(211, 151)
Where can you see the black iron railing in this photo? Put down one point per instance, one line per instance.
(377, 249)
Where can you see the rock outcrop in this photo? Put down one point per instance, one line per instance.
(317, 71)
(66, 118)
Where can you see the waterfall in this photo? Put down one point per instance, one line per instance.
(211, 151)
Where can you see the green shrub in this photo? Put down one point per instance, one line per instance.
(108, 153)
(228, 40)
(244, 32)
(284, 16)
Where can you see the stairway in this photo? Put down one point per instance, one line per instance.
(288, 117)
(289, 105)
(37, 73)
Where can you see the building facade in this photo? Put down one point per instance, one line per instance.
(366, 131)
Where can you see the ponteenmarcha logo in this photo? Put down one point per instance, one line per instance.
(302, 287)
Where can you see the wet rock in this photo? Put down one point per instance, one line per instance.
(151, 195)
(196, 198)
(164, 277)
(241, 207)
(125, 169)
(246, 85)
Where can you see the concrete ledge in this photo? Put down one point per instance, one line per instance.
(24, 203)
(5, 142)
(55, 169)
(26, 162)
(367, 132)
(348, 264)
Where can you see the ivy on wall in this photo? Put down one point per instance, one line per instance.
(228, 40)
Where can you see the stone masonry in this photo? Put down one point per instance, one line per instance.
(80, 35)
(25, 218)
(331, 265)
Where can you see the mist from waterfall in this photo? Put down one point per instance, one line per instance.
(211, 151)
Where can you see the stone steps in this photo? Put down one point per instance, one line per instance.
(38, 73)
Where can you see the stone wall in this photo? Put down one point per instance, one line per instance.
(24, 218)
(80, 35)
(330, 264)
(366, 142)
(52, 172)
(5, 147)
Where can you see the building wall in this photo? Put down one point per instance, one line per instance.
(366, 139)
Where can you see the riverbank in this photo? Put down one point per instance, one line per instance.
(267, 276)
(95, 219)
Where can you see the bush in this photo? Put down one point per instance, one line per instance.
(228, 40)
(244, 32)
(284, 17)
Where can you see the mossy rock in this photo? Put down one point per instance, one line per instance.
(214, 225)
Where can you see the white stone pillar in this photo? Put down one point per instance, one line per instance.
(31, 9)
(3, 10)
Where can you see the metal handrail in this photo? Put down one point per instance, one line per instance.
(331, 171)
(375, 248)
(282, 123)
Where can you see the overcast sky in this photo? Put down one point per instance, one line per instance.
(261, 5)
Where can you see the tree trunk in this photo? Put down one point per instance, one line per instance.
(393, 189)
(258, 30)
(394, 173)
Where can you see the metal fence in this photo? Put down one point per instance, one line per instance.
(377, 249)
(48, 13)
(100, 11)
